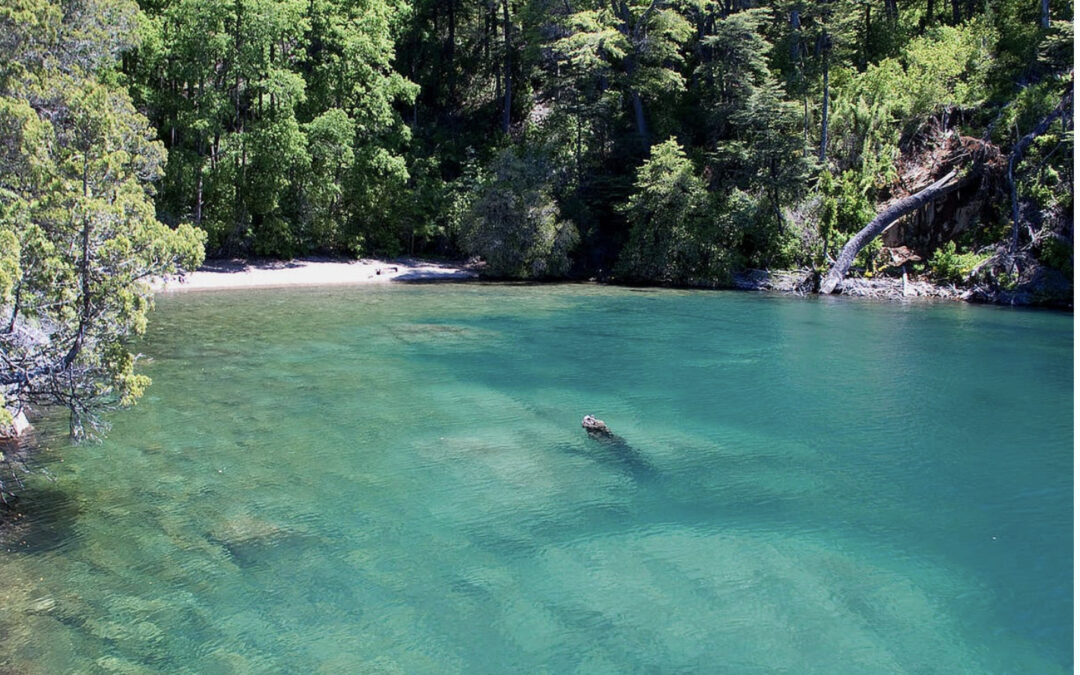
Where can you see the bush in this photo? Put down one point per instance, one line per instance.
(1056, 254)
(846, 206)
(948, 265)
(947, 66)
(275, 239)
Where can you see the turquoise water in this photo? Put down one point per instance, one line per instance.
(394, 479)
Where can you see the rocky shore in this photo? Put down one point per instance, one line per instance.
(1043, 289)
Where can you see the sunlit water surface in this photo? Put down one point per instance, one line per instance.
(395, 479)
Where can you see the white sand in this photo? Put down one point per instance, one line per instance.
(217, 274)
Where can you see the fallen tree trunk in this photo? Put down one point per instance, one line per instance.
(941, 187)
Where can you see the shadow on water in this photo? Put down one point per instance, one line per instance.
(40, 520)
(33, 518)
(613, 450)
(420, 277)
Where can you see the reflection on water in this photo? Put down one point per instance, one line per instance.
(46, 518)
(395, 479)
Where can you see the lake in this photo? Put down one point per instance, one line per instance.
(395, 479)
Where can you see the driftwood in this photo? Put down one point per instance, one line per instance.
(898, 209)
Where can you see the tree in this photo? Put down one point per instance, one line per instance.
(319, 206)
(513, 223)
(759, 147)
(76, 210)
(233, 88)
(639, 43)
(295, 126)
(672, 238)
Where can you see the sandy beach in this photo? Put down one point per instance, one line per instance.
(231, 274)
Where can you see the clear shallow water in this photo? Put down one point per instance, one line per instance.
(395, 480)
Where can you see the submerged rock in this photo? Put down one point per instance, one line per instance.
(247, 537)
(593, 425)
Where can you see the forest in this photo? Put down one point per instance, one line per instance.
(672, 142)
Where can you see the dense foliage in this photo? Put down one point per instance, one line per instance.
(385, 127)
(512, 221)
(279, 120)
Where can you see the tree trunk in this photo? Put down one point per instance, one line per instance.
(1014, 240)
(577, 146)
(929, 12)
(489, 28)
(956, 12)
(451, 48)
(805, 124)
(84, 276)
(1044, 17)
(891, 11)
(824, 105)
(199, 197)
(796, 39)
(868, 28)
(1018, 153)
(201, 151)
(507, 94)
(495, 61)
(879, 224)
(639, 119)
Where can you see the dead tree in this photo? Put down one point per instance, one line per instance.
(898, 209)
(980, 157)
(1062, 109)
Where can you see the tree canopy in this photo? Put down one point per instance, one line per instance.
(364, 126)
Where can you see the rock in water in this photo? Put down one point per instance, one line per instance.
(593, 425)
(18, 426)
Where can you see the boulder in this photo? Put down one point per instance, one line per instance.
(18, 426)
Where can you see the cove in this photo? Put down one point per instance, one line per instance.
(394, 479)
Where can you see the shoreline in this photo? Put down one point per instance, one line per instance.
(901, 289)
(239, 274)
(250, 274)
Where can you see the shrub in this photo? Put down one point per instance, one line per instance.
(948, 265)
(947, 66)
